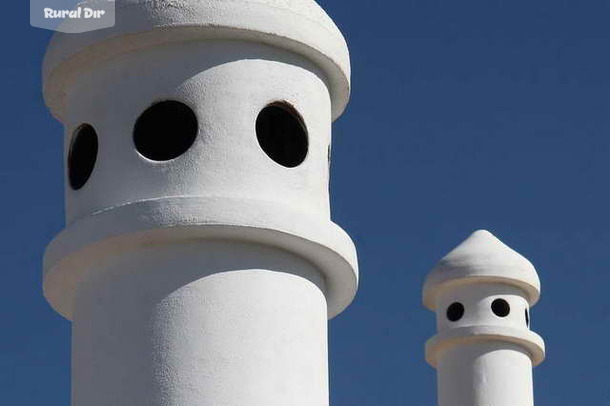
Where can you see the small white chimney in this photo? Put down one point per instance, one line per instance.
(484, 351)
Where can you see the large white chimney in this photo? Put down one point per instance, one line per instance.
(199, 264)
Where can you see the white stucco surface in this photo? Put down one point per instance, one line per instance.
(486, 373)
(483, 356)
(200, 323)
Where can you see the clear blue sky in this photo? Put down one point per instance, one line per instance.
(464, 115)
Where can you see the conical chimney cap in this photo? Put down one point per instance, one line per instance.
(482, 258)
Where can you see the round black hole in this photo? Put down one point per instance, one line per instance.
(165, 130)
(527, 318)
(282, 135)
(500, 307)
(455, 311)
(82, 156)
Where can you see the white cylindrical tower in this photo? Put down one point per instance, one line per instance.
(199, 264)
(484, 350)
